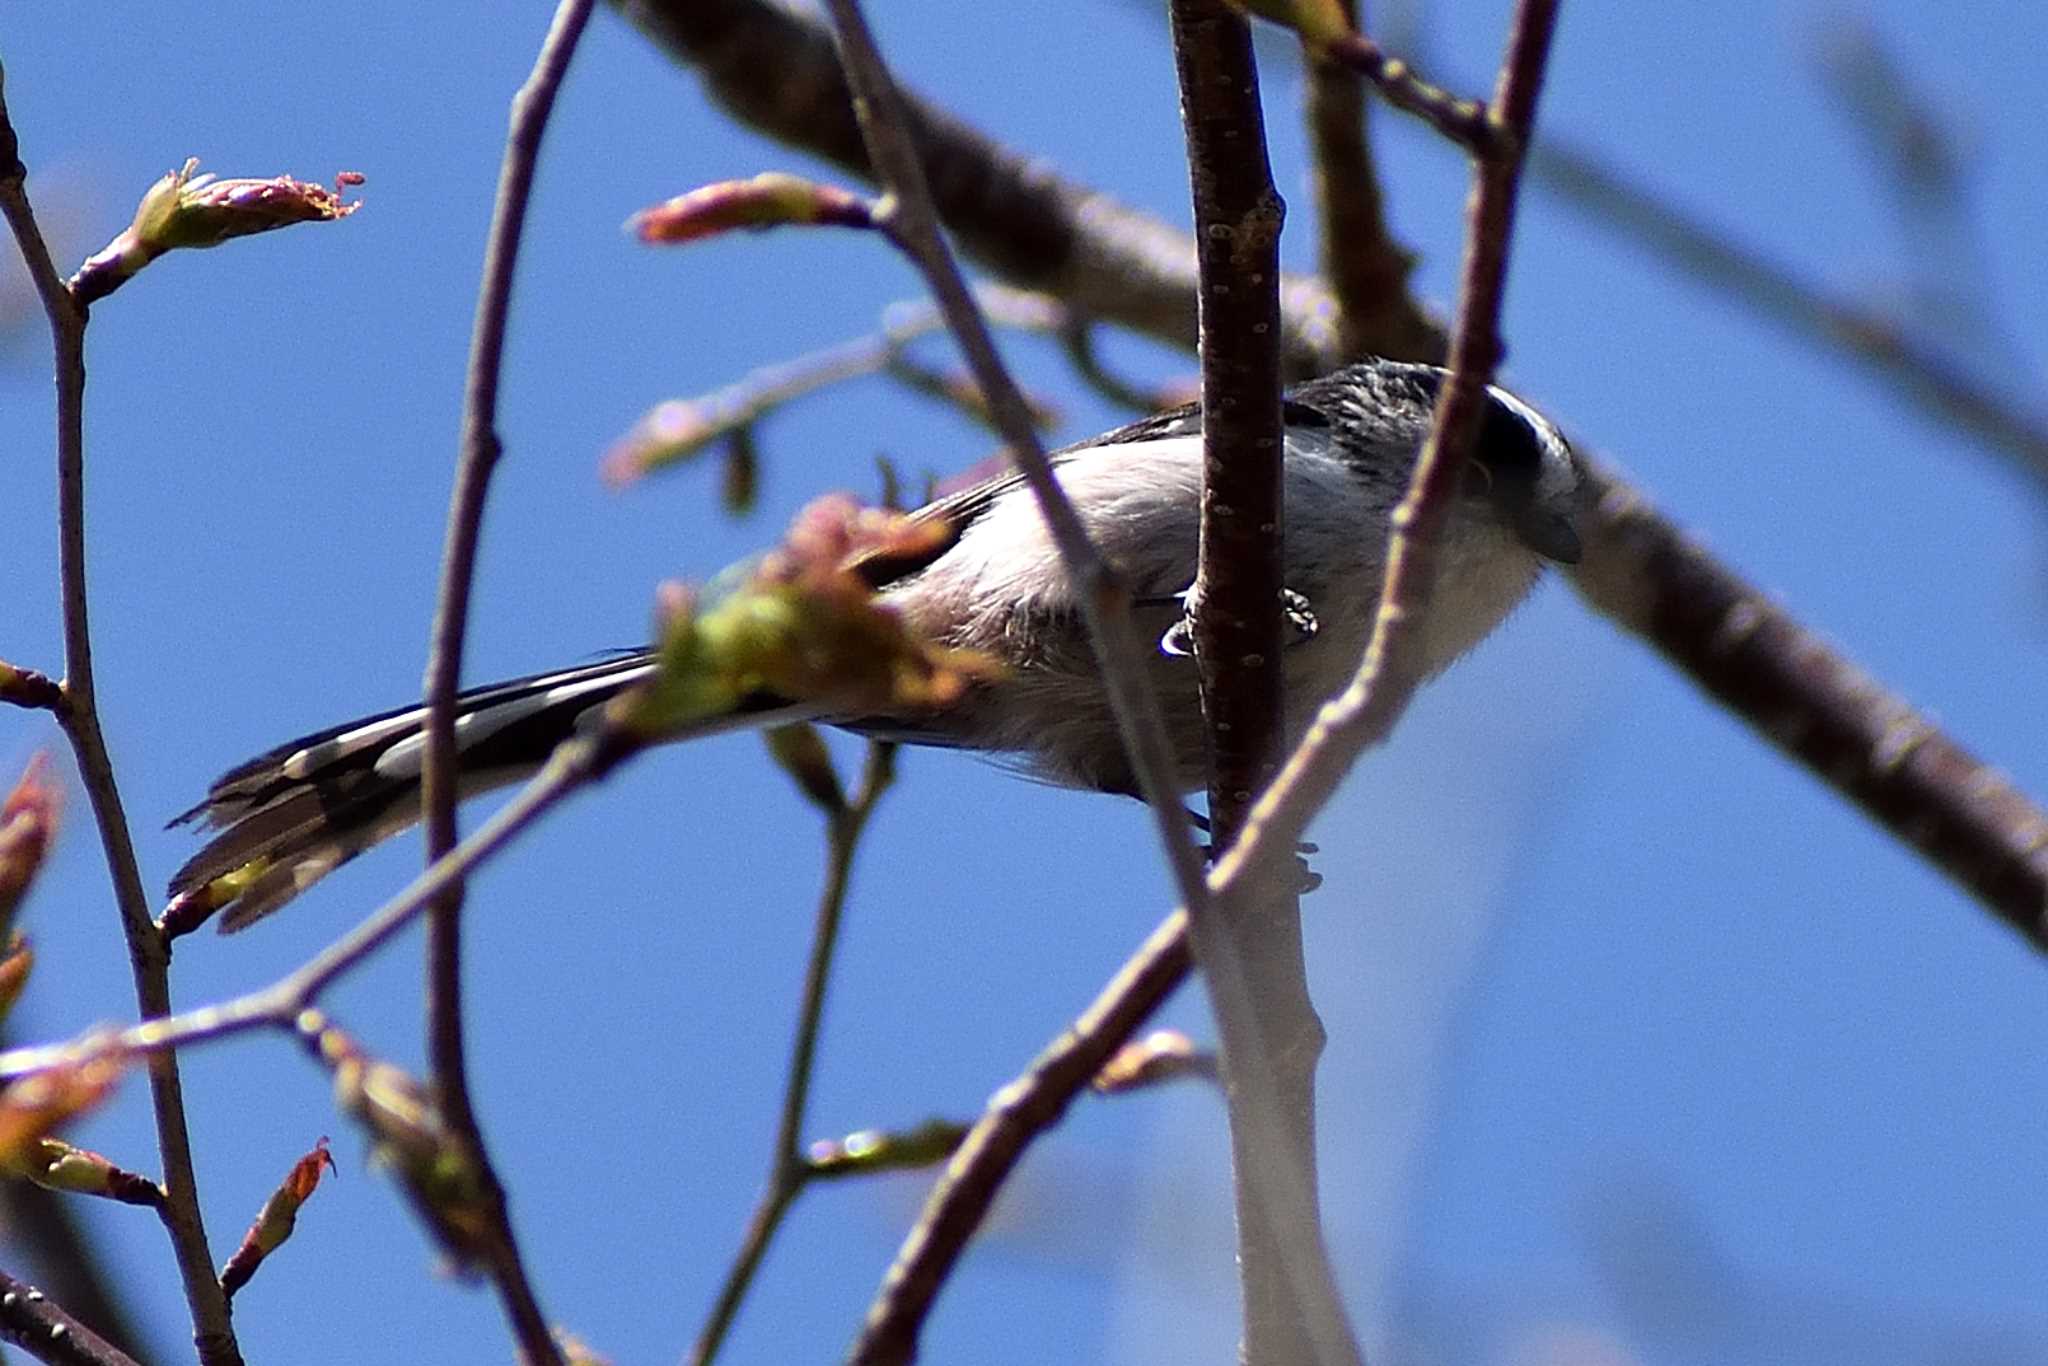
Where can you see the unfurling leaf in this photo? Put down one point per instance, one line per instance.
(769, 200)
(28, 821)
(670, 432)
(1161, 1056)
(187, 210)
(56, 1165)
(39, 1102)
(189, 910)
(801, 752)
(1316, 22)
(274, 1223)
(410, 1138)
(881, 1150)
(802, 624)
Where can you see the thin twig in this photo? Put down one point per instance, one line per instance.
(1909, 365)
(40, 1326)
(438, 781)
(1364, 713)
(1288, 1316)
(44, 1225)
(1033, 227)
(78, 714)
(27, 688)
(789, 1170)
(1016, 1114)
(1366, 268)
(574, 764)
(1466, 122)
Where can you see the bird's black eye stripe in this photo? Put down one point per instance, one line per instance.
(1508, 443)
(1296, 414)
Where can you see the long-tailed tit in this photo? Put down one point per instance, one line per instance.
(996, 585)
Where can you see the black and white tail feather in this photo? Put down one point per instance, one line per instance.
(312, 804)
(994, 583)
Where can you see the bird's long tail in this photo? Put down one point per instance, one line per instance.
(289, 817)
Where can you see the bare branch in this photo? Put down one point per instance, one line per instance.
(572, 765)
(1017, 1114)
(480, 451)
(1869, 744)
(1292, 1312)
(1366, 711)
(1028, 224)
(78, 714)
(790, 1169)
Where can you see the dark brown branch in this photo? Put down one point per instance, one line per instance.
(1367, 710)
(790, 1168)
(481, 448)
(40, 1326)
(1236, 606)
(1797, 690)
(42, 1224)
(78, 714)
(1024, 221)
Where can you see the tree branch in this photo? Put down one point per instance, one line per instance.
(78, 714)
(1024, 221)
(1236, 607)
(789, 1169)
(481, 448)
(1814, 704)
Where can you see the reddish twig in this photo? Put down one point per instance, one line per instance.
(480, 451)
(78, 714)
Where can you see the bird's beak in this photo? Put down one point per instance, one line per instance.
(1551, 532)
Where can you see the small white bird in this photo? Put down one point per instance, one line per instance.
(995, 584)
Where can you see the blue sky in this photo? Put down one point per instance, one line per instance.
(1644, 1047)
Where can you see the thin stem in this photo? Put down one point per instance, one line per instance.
(480, 450)
(1911, 366)
(907, 214)
(1017, 1113)
(572, 765)
(1366, 268)
(78, 713)
(788, 1170)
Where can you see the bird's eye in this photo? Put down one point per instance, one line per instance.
(1478, 478)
